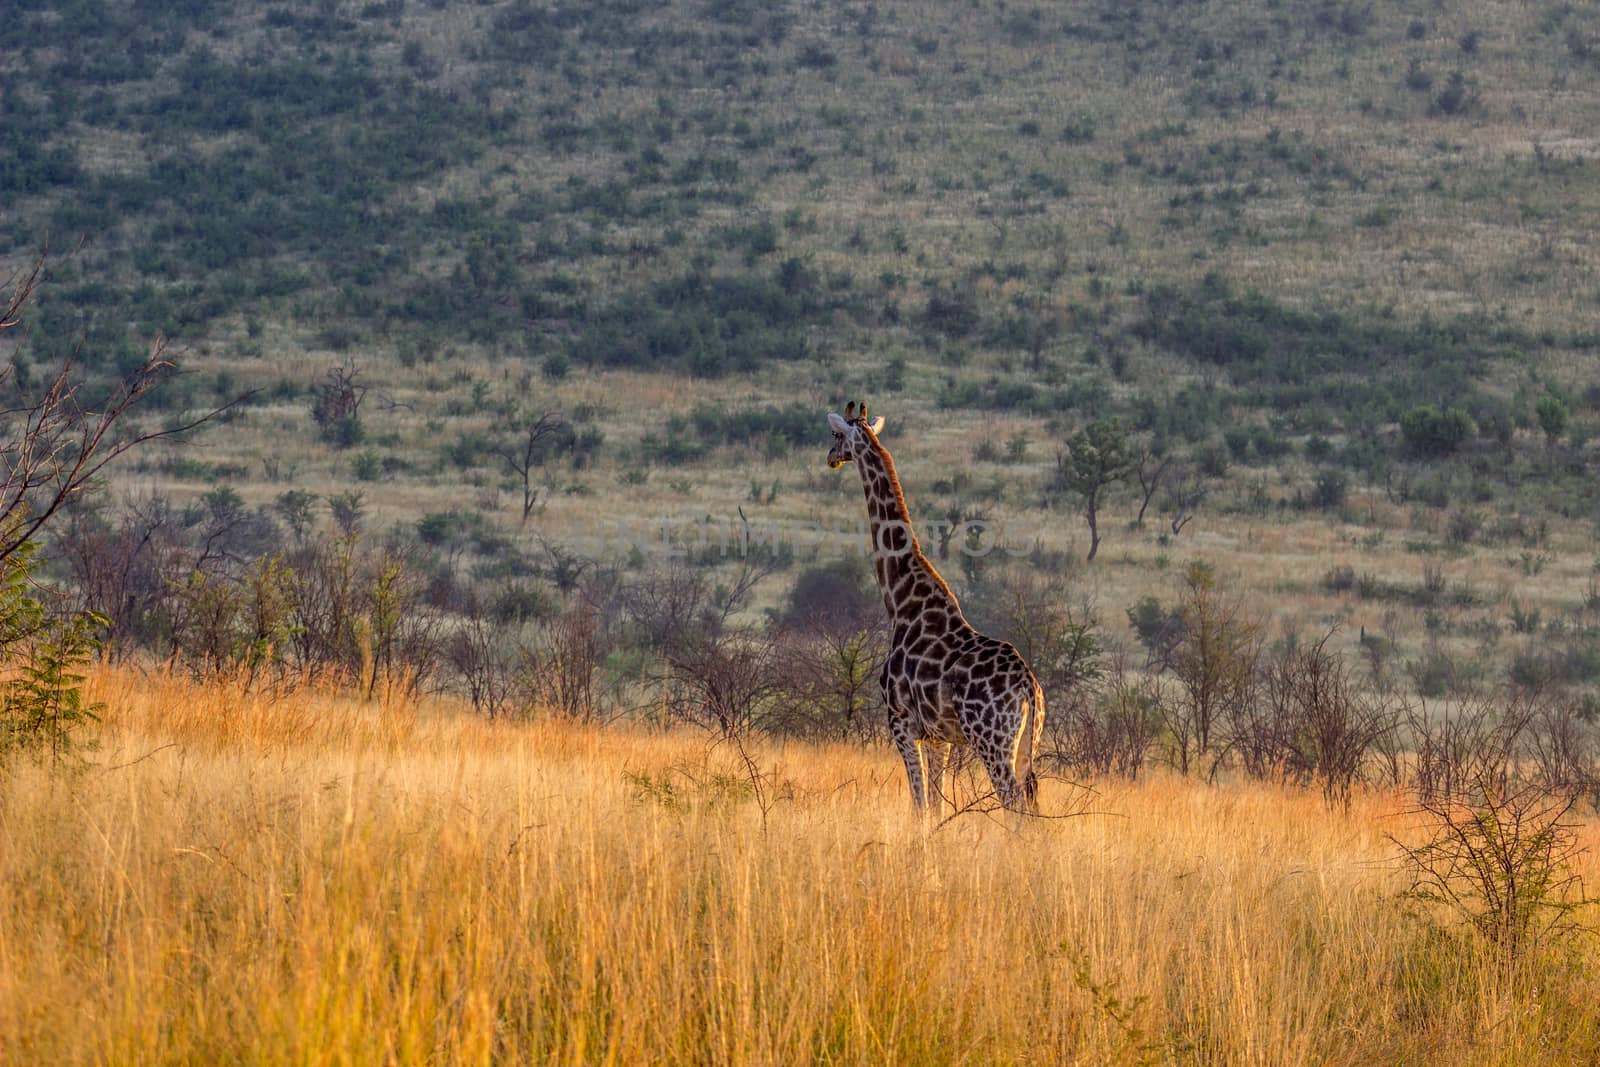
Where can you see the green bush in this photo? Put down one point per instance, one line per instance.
(1553, 417)
(41, 704)
(1428, 431)
(367, 466)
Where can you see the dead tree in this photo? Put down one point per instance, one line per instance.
(526, 448)
(336, 406)
(1183, 497)
(1150, 468)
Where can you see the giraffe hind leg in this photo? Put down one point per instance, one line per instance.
(1027, 756)
(909, 752)
(997, 761)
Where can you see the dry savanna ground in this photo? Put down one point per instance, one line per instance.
(304, 878)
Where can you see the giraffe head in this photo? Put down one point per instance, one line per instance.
(851, 433)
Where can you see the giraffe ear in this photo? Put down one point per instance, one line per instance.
(838, 424)
(876, 426)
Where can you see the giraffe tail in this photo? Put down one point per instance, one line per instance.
(1032, 727)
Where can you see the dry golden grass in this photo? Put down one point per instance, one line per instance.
(317, 880)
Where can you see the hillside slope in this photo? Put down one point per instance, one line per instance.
(1263, 232)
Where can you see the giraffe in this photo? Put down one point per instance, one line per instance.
(943, 681)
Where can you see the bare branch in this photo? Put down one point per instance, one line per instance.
(525, 451)
(54, 446)
(21, 292)
(1151, 469)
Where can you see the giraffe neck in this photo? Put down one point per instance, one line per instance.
(907, 579)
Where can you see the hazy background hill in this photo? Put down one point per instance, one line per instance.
(1261, 232)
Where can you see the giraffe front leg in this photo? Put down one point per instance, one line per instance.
(935, 757)
(900, 730)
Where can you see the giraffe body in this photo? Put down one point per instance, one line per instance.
(944, 682)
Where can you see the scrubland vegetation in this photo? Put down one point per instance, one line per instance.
(454, 191)
(1325, 264)
(468, 656)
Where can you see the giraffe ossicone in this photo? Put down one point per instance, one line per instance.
(944, 682)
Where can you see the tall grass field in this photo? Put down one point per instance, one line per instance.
(306, 878)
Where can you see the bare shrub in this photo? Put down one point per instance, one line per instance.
(562, 670)
(1563, 744)
(827, 682)
(713, 676)
(1466, 744)
(482, 652)
(1214, 665)
(723, 684)
(664, 609)
(510, 666)
(124, 568)
(1500, 858)
(1113, 731)
(1313, 721)
(1261, 733)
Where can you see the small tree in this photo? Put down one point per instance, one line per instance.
(42, 704)
(524, 447)
(1553, 419)
(1096, 457)
(1214, 664)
